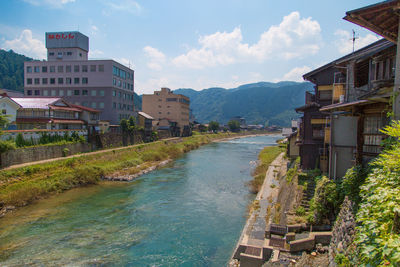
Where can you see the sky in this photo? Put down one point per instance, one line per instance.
(193, 44)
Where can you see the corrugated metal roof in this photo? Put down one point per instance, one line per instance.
(35, 102)
(147, 116)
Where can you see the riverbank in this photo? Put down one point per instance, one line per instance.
(24, 185)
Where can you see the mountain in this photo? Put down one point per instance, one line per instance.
(12, 70)
(258, 103)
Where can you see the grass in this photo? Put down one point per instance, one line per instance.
(266, 156)
(21, 186)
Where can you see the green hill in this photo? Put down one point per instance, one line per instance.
(257, 102)
(12, 70)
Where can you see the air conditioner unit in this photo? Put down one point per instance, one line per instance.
(341, 98)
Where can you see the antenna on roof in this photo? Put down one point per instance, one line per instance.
(354, 39)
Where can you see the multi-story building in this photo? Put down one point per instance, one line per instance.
(168, 108)
(105, 85)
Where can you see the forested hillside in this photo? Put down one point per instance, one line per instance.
(257, 103)
(12, 70)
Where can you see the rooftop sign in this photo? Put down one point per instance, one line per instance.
(67, 40)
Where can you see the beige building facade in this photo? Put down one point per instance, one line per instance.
(164, 105)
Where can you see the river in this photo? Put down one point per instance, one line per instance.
(190, 213)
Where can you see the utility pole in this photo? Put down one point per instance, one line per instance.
(354, 39)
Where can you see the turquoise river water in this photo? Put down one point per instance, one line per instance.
(190, 213)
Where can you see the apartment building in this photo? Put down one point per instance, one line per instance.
(105, 85)
(168, 109)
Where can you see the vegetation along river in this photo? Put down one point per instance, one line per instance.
(190, 213)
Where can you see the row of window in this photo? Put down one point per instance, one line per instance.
(122, 106)
(68, 68)
(122, 74)
(68, 80)
(122, 95)
(76, 92)
(124, 85)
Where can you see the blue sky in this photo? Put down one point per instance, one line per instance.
(193, 44)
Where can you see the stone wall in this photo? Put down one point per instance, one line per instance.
(343, 231)
(29, 154)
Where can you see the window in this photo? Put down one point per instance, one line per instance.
(84, 92)
(101, 68)
(76, 92)
(94, 93)
(101, 105)
(68, 80)
(68, 68)
(114, 93)
(29, 81)
(84, 68)
(114, 105)
(119, 94)
(53, 92)
(119, 83)
(92, 68)
(37, 92)
(94, 104)
(29, 92)
(85, 103)
(120, 105)
(45, 92)
(60, 69)
(44, 80)
(51, 53)
(101, 93)
(76, 80)
(114, 81)
(37, 80)
(69, 92)
(52, 80)
(36, 69)
(52, 68)
(80, 54)
(124, 85)
(60, 80)
(61, 92)
(44, 69)
(84, 80)
(59, 54)
(76, 68)
(69, 53)
(29, 69)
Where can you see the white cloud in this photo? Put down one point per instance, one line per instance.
(157, 58)
(345, 43)
(27, 45)
(295, 74)
(294, 37)
(49, 3)
(95, 53)
(125, 61)
(126, 6)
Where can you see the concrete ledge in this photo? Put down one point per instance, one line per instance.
(247, 260)
(302, 244)
(322, 237)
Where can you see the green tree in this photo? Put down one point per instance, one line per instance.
(234, 126)
(213, 126)
(202, 128)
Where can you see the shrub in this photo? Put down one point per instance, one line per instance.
(6, 146)
(300, 211)
(65, 152)
(324, 204)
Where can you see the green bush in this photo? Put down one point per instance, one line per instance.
(324, 205)
(6, 146)
(300, 211)
(377, 240)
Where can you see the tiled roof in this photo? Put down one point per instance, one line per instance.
(85, 108)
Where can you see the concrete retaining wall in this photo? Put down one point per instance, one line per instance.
(29, 154)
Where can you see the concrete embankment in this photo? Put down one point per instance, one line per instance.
(252, 249)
